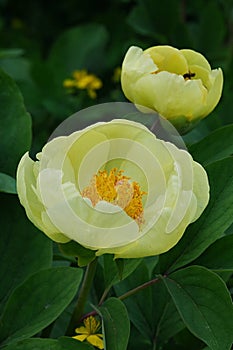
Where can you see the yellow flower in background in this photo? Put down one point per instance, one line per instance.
(178, 84)
(113, 187)
(89, 332)
(82, 80)
(69, 83)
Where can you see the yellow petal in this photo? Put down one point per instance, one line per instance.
(202, 74)
(195, 58)
(184, 179)
(183, 98)
(95, 341)
(81, 330)
(29, 198)
(138, 61)
(135, 65)
(200, 189)
(168, 58)
(215, 92)
(26, 183)
(80, 337)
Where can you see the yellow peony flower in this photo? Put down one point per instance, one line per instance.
(178, 84)
(89, 332)
(113, 187)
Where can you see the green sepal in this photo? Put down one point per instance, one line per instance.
(72, 248)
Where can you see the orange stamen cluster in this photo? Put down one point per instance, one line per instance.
(115, 188)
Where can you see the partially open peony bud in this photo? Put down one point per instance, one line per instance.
(113, 187)
(178, 84)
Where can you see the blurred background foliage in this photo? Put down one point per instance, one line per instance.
(43, 42)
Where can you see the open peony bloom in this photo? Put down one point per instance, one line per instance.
(113, 187)
(178, 84)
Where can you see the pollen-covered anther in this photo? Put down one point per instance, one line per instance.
(135, 207)
(116, 188)
(91, 192)
(124, 193)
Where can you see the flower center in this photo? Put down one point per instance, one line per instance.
(91, 324)
(115, 188)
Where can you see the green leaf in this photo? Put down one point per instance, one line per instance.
(9, 53)
(215, 146)
(211, 26)
(204, 304)
(137, 341)
(72, 248)
(67, 343)
(140, 19)
(150, 17)
(229, 230)
(219, 256)
(7, 184)
(15, 131)
(167, 321)
(186, 340)
(38, 302)
(34, 344)
(115, 324)
(18, 68)
(212, 224)
(141, 312)
(63, 343)
(81, 47)
(24, 250)
(117, 270)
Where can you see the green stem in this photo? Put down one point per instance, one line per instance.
(137, 289)
(130, 292)
(154, 345)
(82, 298)
(126, 295)
(105, 293)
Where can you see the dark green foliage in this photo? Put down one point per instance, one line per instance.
(15, 131)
